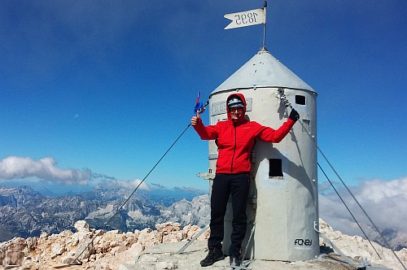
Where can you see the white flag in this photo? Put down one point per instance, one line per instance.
(246, 18)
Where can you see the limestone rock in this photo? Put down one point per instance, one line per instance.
(57, 249)
(157, 249)
(82, 226)
(166, 265)
(14, 253)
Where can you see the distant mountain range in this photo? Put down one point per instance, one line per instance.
(25, 212)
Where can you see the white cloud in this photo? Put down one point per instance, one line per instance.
(384, 201)
(132, 184)
(378, 191)
(143, 185)
(13, 167)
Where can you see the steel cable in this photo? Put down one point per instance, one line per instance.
(134, 191)
(285, 101)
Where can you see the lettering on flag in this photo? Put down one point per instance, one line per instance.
(246, 18)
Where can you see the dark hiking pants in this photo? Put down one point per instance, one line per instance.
(236, 185)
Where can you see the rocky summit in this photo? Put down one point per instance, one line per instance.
(147, 249)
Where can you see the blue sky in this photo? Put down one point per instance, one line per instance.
(107, 85)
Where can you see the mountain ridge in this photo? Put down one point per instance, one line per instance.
(26, 212)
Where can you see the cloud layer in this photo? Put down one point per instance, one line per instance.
(129, 185)
(384, 201)
(13, 167)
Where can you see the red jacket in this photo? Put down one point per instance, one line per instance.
(236, 140)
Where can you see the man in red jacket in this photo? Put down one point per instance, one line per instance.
(235, 139)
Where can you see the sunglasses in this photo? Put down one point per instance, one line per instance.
(236, 109)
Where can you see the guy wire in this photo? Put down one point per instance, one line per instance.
(134, 191)
(285, 101)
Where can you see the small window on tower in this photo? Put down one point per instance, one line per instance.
(300, 100)
(276, 168)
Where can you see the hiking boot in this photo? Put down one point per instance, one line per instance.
(213, 256)
(235, 262)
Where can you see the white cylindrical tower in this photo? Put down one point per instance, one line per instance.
(283, 200)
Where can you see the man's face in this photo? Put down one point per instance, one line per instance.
(236, 113)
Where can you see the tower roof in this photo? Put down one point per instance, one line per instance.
(263, 70)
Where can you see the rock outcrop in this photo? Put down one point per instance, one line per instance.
(94, 249)
(156, 249)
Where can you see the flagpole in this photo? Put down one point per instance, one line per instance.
(264, 26)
